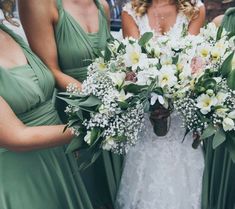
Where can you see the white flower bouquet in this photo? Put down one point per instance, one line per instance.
(207, 103)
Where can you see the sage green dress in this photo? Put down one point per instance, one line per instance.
(43, 178)
(219, 176)
(75, 52)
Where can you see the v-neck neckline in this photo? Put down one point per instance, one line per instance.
(79, 25)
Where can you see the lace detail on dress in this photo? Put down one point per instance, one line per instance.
(141, 21)
(162, 172)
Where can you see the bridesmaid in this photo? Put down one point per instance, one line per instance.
(64, 33)
(219, 175)
(34, 170)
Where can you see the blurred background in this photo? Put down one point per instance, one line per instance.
(214, 8)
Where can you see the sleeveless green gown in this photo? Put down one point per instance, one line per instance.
(75, 49)
(219, 176)
(43, 178)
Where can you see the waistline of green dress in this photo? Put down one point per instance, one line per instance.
(44, 114)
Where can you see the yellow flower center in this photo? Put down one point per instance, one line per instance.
(135, 57)
(204, 52)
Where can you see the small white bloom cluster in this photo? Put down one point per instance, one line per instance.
(213, 107)
(72, 89)
(126, 127)
(188, 112)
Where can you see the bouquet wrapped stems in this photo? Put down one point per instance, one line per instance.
(160, 119)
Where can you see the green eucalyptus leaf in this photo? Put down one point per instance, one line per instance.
(91, 101)
(72, 122)
(231, 80)
(89, 160)
(209, 131)
(146, 105)
(219, 138)
(123, 105)
(219, 33)
(145, 38)
(98, 52)
(94, 135)
(133, 88)
(121, 47)
(75, 144)
(226, 67)
(107, 54)
(79, 114)
(72, 102)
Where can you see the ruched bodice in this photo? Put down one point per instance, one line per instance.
(43, 178)
(75, 46)
(76, 50)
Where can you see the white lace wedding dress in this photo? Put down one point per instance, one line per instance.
(161, 172)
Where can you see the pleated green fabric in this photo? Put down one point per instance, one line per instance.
(75, 52)
(44, 178)
(219, 176)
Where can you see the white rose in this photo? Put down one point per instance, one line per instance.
(108, 144)
(228, 124)
(221, 97)
(232, 114)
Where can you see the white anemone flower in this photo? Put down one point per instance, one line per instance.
(100, 64)
(134, 57)
(122, 96)
(205, 102)
(228, 124)
(216, 54)
(167, 76)
(144, 77)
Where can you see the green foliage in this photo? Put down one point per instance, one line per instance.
(209, 131)
(226, 67)
(219, 138)
(145, 38)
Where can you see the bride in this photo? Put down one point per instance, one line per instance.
(162, 172)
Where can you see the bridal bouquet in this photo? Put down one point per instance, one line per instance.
(123, 82)
(207, 105)
(108, 112)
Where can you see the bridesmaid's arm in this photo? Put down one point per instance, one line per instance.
(129, 27)
(106, 10)
(197, 22)
(15, 136)
(38, 20)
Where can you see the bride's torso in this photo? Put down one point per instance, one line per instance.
(143, 23)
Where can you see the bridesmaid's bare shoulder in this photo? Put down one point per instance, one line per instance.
(217, 20)
(43, 9)
(106, 8)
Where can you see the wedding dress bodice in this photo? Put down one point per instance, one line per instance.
(143, 21)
